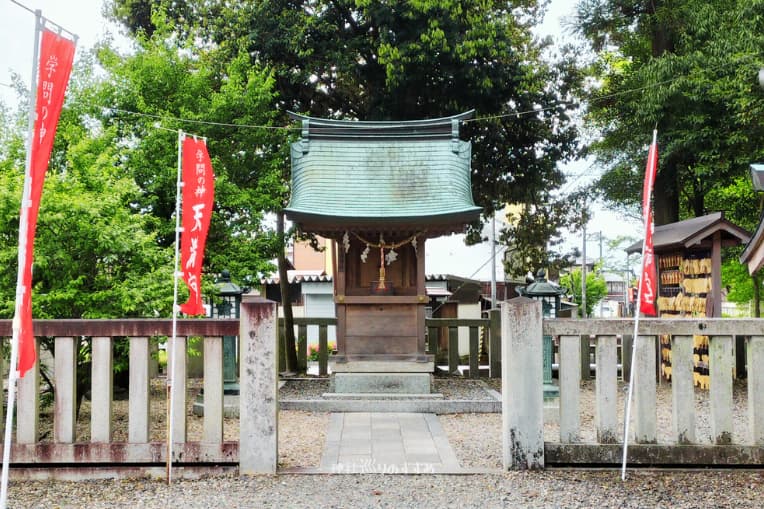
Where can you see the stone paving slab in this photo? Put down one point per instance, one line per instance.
(387, 443)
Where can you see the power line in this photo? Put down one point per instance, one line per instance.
(517, 114)
(498, 252)
(586, 172)
(202, 122)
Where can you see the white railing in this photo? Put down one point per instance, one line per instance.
(254, 452)
(682, 447)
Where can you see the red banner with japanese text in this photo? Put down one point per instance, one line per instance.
(198, 194)
(649, 281)
(55, 65)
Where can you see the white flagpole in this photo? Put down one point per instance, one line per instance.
(23, 221)
(171, 345)
(632, 371)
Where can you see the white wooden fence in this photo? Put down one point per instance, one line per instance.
(523, 423)
(254, 452)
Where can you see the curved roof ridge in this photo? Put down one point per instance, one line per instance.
(365, 124)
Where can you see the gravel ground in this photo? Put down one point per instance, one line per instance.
(476, 439)
(551, 488)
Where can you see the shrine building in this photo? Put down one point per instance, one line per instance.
(379, 190)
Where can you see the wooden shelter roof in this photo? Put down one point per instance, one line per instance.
(753, 254)
(695, 232)
(394, 176)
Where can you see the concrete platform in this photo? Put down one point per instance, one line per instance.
(382, 383)
(378, 366)
(387, 443)
(383, 397)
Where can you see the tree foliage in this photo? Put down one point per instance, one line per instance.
(107, 220)
(94, 257)
(376, 60)
(596, 288)
(688, 69)
(164, 82)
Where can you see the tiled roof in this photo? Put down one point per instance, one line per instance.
(685, 234)
(381, 172)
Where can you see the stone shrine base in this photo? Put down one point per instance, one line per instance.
(382, 377)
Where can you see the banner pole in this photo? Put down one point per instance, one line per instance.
(171, 346)
(632, 371)
(23, 221)
(627, 414)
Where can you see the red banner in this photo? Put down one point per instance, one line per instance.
(649, 281)
(55, 65)
(198, 194)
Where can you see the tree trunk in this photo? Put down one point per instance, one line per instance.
(290, 346)
(666, 192)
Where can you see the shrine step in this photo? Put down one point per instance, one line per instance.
(381, 383)
(379, 397)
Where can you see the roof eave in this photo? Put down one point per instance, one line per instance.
(456, 220)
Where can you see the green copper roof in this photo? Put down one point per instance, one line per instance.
(381, 172)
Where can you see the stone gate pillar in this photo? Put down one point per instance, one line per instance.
(258, 379)
(522, 384)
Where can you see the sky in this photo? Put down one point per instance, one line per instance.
(445, 255)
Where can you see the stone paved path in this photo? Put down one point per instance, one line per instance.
(389, 443)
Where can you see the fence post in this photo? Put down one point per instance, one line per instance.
(522, 380)
(755, 354)
(138, 401)
(606, 383)
(179, 349)
(720, 370)
(28, 404)
(323, 350)
(570, 387)
(302, 348)
(474, 353)
(682, 390)
(258, 380)
(64, 422)
(453, 350)
(101, 390)
(645, 412)
(212, 431)
(494, 344)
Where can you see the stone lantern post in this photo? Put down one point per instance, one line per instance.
(549, 294)
(228, 307)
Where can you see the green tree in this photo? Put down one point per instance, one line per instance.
(741, 204)
(688, 69)
(164, 82)
(596, 288)
(95, 257)
(375, 60)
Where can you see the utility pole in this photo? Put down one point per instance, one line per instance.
(600, 234)
(626, 288)
(593, 236)
(583, 276)
(493, 262)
